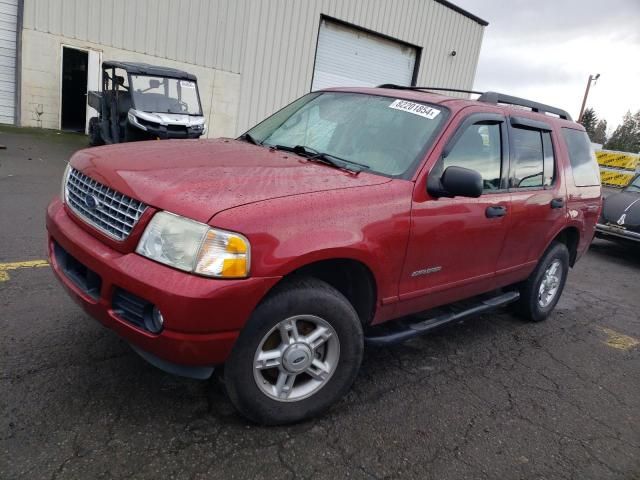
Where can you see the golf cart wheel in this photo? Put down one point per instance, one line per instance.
(95, 137)
(299, 353)
(540, 293)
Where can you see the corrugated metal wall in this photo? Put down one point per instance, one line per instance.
(8, 27)
(271, 43)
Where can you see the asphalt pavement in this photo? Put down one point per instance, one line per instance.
(494, 397)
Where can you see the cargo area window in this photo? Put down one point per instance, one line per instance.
(583, 160)
(532, 159)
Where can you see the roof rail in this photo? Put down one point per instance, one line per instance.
(494, 98)
(437, 89)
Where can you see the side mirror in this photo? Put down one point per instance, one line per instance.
(153, 83)
(457, 182)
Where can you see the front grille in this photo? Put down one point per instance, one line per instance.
(109, 211)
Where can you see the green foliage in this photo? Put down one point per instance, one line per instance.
(600, 133)
(588, 121)
(626, 138)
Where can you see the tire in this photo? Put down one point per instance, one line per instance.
(316, 309)
(95, 137)
(534, 304)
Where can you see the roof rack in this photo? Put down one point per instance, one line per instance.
(493, 98)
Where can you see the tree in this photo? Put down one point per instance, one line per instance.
(588, 121)
(600, 133)
(626, 137)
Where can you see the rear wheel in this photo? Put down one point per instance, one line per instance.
(299, 353)
(540, 293)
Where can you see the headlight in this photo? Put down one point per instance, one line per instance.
(195, 247)
(63, 187)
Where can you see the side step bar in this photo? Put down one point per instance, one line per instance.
(412, 330)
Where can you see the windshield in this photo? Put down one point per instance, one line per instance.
(384, 134)
(634, 186)
(165, 95)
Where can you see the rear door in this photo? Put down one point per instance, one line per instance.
(455, 242)
(537, 195)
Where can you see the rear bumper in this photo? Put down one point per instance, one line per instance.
(613, 233)
(202, 317)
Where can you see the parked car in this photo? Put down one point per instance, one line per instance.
(276, 256)
(139, 101)
(620, 219)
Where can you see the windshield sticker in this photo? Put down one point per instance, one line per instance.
(415, 108)
(187, 84)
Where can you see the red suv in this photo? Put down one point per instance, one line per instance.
(276, 256)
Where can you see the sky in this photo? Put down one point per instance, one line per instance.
(545, 50)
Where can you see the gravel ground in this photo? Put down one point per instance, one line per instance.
(493, 397)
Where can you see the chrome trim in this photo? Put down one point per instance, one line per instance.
(617, 232)
(115, 215)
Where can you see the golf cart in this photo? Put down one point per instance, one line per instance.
(142, 102)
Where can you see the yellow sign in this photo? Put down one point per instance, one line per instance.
(616, 178)
(627, 161)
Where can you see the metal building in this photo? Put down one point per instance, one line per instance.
(251, 57)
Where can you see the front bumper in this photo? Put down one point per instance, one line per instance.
(607, 231)
(203, 316)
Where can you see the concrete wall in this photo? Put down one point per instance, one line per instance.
(41, 87)
(264, 49)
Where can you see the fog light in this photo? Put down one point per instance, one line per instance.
(155, 321)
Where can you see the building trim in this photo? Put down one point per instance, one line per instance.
(17, 104)
(464, 12)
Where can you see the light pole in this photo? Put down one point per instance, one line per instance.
(592, 78)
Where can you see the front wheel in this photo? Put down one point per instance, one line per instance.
(540, 293)
(299, 353)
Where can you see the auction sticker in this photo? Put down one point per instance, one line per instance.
(415, 108)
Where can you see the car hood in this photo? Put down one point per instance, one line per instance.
(624, 203)
(199, 178)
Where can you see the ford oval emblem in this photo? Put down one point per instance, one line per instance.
(91, 202)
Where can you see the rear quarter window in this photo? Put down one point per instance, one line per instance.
(583, 161)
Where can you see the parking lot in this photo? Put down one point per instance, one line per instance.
(493, 397)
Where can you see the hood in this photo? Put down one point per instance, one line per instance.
(619, 204)
(199, 178)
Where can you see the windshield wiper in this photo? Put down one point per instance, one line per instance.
(314, 155)
(249, 138)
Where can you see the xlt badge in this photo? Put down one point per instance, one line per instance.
(426, 271)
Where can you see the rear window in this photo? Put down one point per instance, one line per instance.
(533, 162)
(583, 160)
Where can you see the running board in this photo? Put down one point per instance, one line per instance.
(412, 330)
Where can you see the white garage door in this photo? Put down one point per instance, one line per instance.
(8, 25)
(347, 56)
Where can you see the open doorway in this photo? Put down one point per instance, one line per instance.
(74, 88)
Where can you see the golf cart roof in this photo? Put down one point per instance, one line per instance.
(152, 70)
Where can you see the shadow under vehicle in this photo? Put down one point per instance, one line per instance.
(139, 101)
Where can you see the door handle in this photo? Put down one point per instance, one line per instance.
(495, 211)
(557, 203)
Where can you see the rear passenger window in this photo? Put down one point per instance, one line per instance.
(479, 149)
(532, 163)
(583, 160)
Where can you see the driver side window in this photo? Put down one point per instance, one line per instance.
(479, 148)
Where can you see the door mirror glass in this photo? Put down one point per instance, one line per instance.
(458, 182)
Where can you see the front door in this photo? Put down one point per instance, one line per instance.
(455, 242)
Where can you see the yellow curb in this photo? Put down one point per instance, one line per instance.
(5, 268)
(619, 340)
